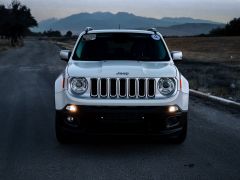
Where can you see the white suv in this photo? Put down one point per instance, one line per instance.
(121, 81)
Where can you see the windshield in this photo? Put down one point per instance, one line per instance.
(121, 46)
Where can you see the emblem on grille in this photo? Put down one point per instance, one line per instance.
(122, 73)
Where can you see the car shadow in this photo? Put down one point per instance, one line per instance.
(117, 145)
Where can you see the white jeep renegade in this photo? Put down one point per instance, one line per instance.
(121, 81)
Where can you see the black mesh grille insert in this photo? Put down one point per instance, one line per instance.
(132, 86)
(113, 88)
(141, 87)
(151, 88)
(122, 87)
(94, 90)
(103, 87)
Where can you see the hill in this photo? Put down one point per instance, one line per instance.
(188, 29)
(103, 20)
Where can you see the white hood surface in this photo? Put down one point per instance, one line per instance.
(111, 69)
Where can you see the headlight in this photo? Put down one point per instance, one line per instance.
(79, 85)
(166, 86)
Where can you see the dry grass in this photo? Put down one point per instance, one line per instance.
(208, 49)
(62, 42)
(5, 44)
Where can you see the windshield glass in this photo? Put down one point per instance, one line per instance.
(121, 46)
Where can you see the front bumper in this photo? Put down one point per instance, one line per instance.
(123, 120)
(63, 98)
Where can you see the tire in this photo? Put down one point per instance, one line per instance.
(181, 137)
(61, 136)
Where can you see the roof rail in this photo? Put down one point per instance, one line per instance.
(87, 29)
(153, 30)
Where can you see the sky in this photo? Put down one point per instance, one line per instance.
(216, 10)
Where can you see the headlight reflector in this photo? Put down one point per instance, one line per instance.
(79, 85)
(166, 86)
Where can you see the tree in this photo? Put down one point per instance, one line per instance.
(231, 29)
(4, 13)
(15, 21)
(51, 33)
(69, 34)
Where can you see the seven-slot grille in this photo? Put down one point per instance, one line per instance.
(123, 87)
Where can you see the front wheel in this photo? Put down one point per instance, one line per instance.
(181, 137)
(61, 136)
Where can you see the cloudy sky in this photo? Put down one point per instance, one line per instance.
(217, 10)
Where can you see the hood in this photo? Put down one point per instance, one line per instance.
(106, 69)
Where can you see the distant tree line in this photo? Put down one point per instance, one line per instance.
(55, 33)
(231, 29)
(52, 33)
(15, 21)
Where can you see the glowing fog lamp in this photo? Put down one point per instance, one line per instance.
(172, 109)
(72, 108)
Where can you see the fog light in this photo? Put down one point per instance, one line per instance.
(70, 119)
(72, 108)
(172, 109)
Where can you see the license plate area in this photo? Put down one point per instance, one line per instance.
(120, 117)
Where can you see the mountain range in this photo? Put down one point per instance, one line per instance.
(180, 26)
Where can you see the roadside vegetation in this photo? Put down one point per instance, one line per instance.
(211, 64)
(4, 45)
(231, 29)
(15, 21)
(52, 34)
(65, 41)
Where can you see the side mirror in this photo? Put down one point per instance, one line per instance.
(177, 55)
(65, 55)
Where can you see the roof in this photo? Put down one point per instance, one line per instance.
(121, 31)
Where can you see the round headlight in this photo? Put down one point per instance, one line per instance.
(166, 86)
(79, 85)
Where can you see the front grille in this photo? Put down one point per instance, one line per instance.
(123, 88)
(103, 88)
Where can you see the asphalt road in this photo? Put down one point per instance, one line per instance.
(29, 150)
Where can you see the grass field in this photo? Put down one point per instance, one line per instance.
(208, 49)
(211, 64)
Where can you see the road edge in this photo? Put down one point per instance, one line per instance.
(215, 99)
